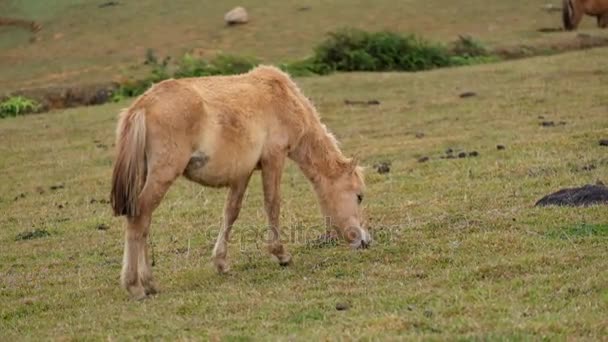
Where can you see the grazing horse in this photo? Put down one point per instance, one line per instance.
(217, 131)
(573, 11)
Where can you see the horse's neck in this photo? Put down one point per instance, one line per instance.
(318, 155)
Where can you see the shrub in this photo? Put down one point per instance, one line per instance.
(191, 66)
(17, 105)
(355, 50)
(305, 67)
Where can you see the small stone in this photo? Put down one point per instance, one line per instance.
(236, 16)
(57, 187)
(102, 226)
(342, 306)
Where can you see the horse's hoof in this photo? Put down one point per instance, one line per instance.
(151, 289)
(137, 293)
(221, 266)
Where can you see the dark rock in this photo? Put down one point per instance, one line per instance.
(589, 167)
(583, 196)
(57, 187)
(383, 167)
(342, 306)
(102, 226)
(468, 94)
(501, 147)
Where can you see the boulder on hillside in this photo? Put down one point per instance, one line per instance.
(236, 16)
(583, 196)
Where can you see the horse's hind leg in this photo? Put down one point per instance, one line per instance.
(602, 20)
(232, 209)
(136, 274)
(272, 168)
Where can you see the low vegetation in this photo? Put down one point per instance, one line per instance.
(345, 50)
(17, 105)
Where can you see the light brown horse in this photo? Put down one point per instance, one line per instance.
(217, 131)
(574, 10)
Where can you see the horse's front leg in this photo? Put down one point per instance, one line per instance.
(272, 168)
(231, 213)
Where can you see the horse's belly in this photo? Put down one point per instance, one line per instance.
(223, 167)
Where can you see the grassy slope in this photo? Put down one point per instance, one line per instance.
(460, 250)
(112, 41)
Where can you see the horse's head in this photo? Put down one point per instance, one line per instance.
(342, 205)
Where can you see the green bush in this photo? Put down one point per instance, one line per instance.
(191, 66)
(17, 105)
(355, 50)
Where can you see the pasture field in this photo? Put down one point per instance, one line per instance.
(460, 250)
(82, 43)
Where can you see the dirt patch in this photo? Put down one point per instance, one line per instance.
(361, 103)
(467, 94)
(29, 25)
(581, 41)
(383, 167)
(550, 29)
(68, 97)
(576, 197)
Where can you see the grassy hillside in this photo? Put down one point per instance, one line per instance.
(460, 250)
(82, 43)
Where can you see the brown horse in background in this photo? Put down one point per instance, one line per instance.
(217, 131)
(574, 10)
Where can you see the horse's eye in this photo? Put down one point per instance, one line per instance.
(359, 198)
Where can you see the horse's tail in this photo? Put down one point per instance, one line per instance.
(130, 167)
(568, 14)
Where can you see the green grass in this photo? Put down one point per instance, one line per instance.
(113, 41)
(460, 253)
